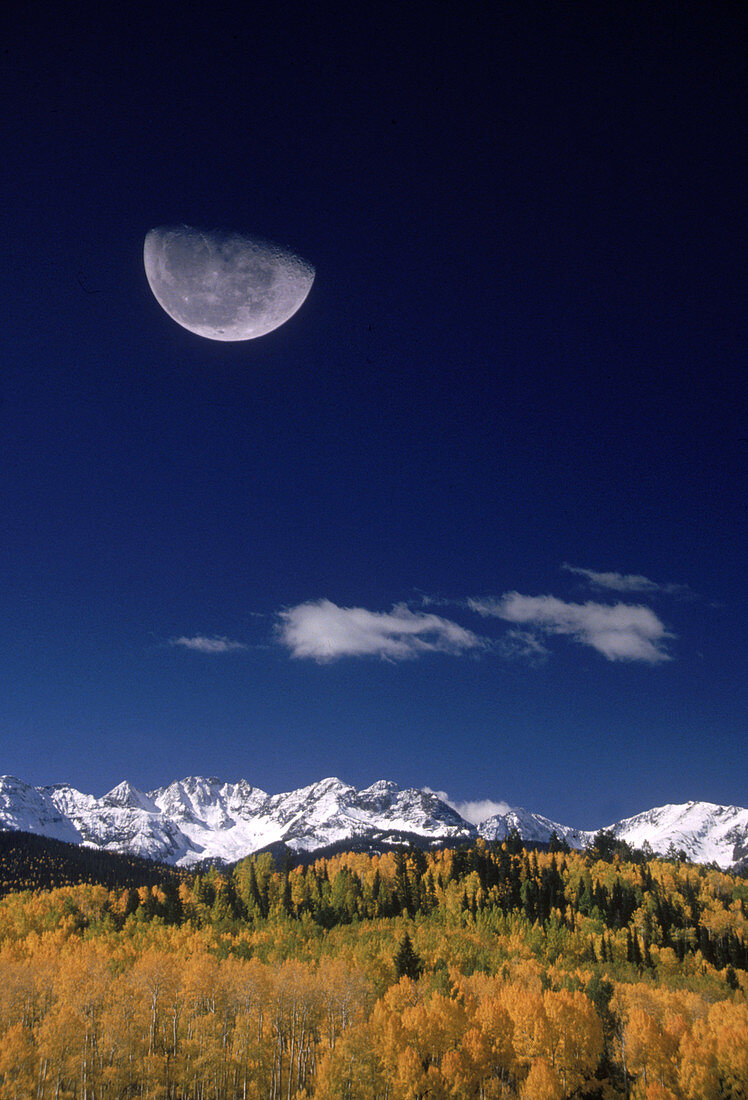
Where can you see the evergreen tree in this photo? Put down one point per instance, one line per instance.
(252, 899)
(528, 894)
(285, 898)
(150, 905)
(604, 845)
(513, 842)
(429, 900)
(234, 903)
(407, 962)
(132, 902)
(172, 905)
(418, 861)
(402, 884)
(636, 951)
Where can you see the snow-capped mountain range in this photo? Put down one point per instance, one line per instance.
(199, 819)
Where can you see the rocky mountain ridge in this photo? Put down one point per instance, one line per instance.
(200, 818)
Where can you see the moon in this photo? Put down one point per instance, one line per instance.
(223, 285)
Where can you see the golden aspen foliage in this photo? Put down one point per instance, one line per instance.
(497, 1030)
(698, 1073)
(532, 1035)
(542, 1083)
(410, 1079)
(651, 1050)
(530, 985)
(576, 1037)
(352, 1068)
(344, 991)
(656, 1091)
(728, 1022)
(17, 1063)
(459, 1072)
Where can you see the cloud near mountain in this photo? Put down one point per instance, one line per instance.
(475, 811)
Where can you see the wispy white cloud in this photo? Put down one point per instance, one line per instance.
(475, 812)
(621, 632)
(322, 631)
(625, 582)
(202, 644)
(523, 645)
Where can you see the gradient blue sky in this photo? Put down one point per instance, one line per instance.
(510, 411)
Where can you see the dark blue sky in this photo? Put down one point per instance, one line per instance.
(524, 349)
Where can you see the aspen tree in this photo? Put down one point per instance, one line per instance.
(575, 1037)
(698, 1075)
(542, 1083)
(17, 1063)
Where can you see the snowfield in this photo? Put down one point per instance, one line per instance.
(197, 818)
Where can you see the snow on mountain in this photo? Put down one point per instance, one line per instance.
(124, 820)
(199, 818)
(126, 796)
(194, 819)
(32, 810)
(707, 833)
(221, 821)
(331, 811)
(534, 828)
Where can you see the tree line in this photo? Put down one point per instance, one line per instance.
(485, 972)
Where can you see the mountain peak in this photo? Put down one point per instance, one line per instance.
(382, 786)
(198, 818)
(125, 795)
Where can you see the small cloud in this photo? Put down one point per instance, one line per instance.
(201, 644)
(322, 631)
(479, 811)
(475, 812)
(487, 606)
(621, 632)
(523, 645)
(625, 582)
(425, 599)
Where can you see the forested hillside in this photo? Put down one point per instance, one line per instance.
(488, 972)
(32, 862)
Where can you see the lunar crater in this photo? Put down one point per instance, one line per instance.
(224, 286)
